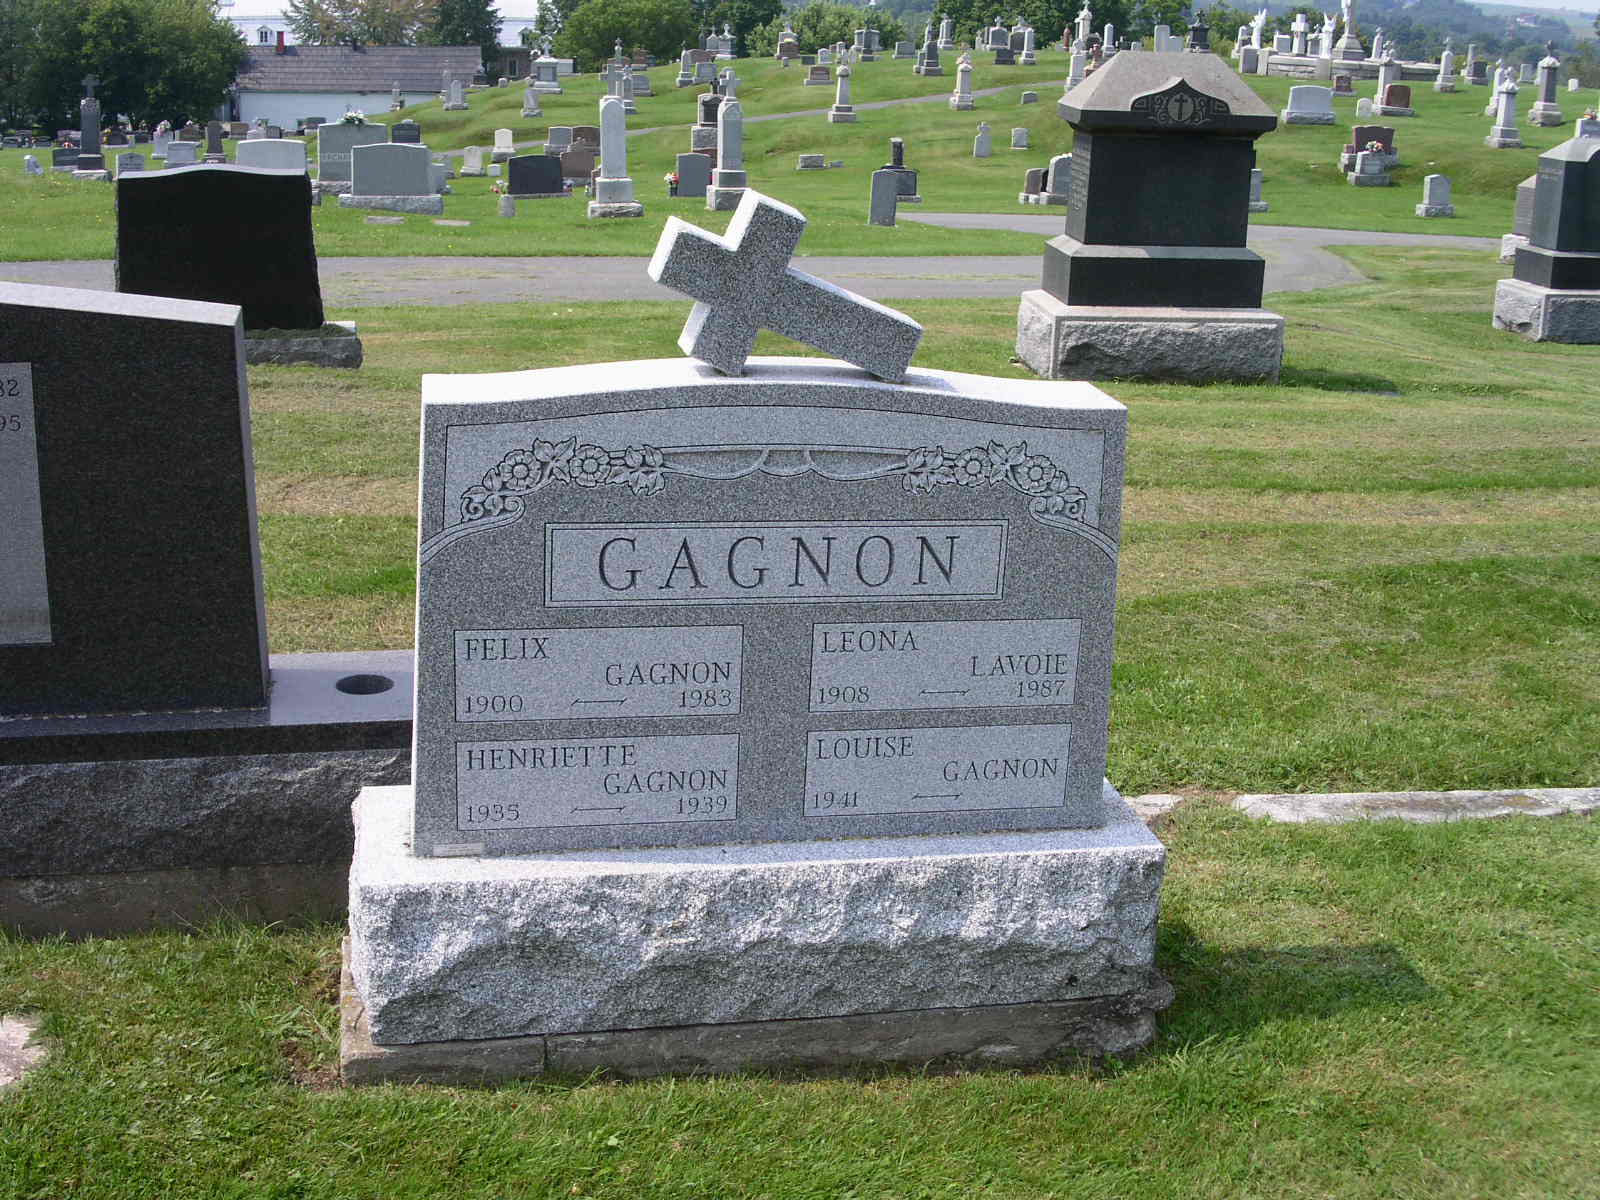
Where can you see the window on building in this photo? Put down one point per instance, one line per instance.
(264, 36)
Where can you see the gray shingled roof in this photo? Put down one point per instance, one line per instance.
(369, 69)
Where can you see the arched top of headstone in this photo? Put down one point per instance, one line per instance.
(1188, 93)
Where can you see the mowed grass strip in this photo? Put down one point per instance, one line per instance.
(1363, 1011)
(64, 218)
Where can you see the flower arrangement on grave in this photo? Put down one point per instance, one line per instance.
(1374, 147)
(498, 187)
(353, 116)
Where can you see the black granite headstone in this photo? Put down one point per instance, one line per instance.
(1160, 186)
(1004, 57)
(906, 178)
(408, 132)
(146, 545)
(533, 175)
(1565, 231)
(64, 158)
(258, 222)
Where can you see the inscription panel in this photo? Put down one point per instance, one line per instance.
(773, 563)
(873, 772)
(568, 782)
(862, 666)
(24, 592)
(554, 674)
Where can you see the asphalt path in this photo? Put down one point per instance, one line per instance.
(1297, 260)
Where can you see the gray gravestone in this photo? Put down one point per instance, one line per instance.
(885, 198)
(139, 606)
(661, 669)
(335, 144)
(182, 154)
(390, 169)
(274, 154)
(694, 174)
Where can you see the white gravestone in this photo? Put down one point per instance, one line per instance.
(613, 190)
(1309, 105)
(982, 144)
(842, 111)
(961, 98)
(1436, 197)
(728, 181)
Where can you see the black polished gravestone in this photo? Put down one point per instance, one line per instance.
(534, 175)
(132, 573)
(1160, 186)
(260, 218)
(1564, 234)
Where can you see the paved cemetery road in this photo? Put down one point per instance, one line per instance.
(1297, 260)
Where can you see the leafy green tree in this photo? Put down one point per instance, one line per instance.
(467, 23)
(741, 16)
(370, 22)
(552, 19)
(659, 27)
(821, 23)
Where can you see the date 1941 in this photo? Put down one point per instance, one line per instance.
(831, 800)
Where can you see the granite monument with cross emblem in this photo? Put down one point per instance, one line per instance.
(725, 666)
(1152, 276)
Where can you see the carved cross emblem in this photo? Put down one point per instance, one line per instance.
(90, 83)
(1179, 105)
(743, 283)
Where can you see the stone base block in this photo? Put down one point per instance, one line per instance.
(1444, 85)
(501, 156)
(962, 105)
(1508, 141)
(615, 208)
(331, 187)
(1543, 314)
(723, 199)
(1436, 210)
(1189, 345)
(601, 943)
(1259, 206)
(811, 162)
(841, 116)
(1289, 117)
(547, 88)
(1390, 110)
(1368, 179)
(325, 349)
(927, 70)
(703, 139)
(1545, 114)
(473, 172)
(1508, 246)
(455, 108)
(431, 206)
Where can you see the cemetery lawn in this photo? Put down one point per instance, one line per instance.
(1375, 1010)
(68, 219)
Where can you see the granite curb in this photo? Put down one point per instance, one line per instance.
(1419, 807)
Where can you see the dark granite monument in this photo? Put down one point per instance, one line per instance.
(534, 175)
(1554, 292)
(263, 219)
(906, 177)
(152, 601)
(1158, 214)
(406, 132)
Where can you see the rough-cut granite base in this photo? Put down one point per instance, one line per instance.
(1508, 246)
(314, 350)
(1436, 210)
(1000, 1035)
(615, 208)
(330, 187)
(1392, 110)
(1193, 345)
(965, 105)
(1543, 314)
(724, 199)
(1545, 114)
(1510, 141)
(1370, 178)
(1290, 117)
(432, 206)
(450, 949)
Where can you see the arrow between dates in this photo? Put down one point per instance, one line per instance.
(617, 809)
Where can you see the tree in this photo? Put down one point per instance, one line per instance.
(467, 23)
(822, 23)
(741, 16)
(368, 22)
(659, 27)
(552, 19)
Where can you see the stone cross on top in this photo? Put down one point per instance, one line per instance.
(90, 83)
(743, 283)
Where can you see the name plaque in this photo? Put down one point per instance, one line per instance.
(555, 674)
(773, 563)
(872, 772)
(24, 591)
(596, 781)
(876, 666)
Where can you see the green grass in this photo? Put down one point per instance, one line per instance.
(1377, 1010)
(65, 219)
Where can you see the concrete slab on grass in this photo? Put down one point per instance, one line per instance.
(20, 1048)
(1422, 807)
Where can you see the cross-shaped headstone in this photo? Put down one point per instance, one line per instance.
(730, 83)
(743, 283)
(90, 82)
(612, 76)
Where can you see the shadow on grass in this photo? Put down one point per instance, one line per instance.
(1231, 991)
(1337, 381)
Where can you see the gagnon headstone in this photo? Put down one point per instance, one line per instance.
(335, 143)
(875, 609)
(1565, 231)
(112, 607)
(261, 214)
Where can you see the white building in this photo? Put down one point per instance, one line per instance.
(324, 81)
(260, 21)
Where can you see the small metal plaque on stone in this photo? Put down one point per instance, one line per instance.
(24, 591)
(658, 605)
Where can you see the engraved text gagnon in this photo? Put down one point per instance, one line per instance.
(773, 562)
